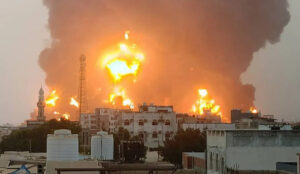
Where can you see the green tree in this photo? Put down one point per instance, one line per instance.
(35, 139)
(189, 140)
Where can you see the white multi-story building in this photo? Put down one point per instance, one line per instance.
(250, 150)
(153, 123)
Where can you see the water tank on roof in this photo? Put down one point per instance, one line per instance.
(102, 146)
(62, 146)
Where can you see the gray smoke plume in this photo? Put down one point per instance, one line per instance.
(188, 44)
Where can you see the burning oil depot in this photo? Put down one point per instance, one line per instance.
(122, 65)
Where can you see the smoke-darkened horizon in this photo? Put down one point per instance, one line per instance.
(187, 45)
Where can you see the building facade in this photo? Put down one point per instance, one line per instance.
(154, 124)
(237, 114)
(250, 150)
(153, 127)
(104, 119)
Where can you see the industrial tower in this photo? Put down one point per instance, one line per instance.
(83, 105)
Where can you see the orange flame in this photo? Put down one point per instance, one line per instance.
(120, 93)
(64, 116)
(205, 104)
(126, 35)
(124, 61)
(253, 110)
(51, 100)
(73, 102)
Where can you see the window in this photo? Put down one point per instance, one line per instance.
(126, 122)
(141, 134)
(141, 122)
(167, 134)
(154, 134)
(167, 122)
(154, 122)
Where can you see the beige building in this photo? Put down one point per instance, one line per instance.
(154, 124)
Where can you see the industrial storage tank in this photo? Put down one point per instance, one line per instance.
(62, 146)
(102, 146)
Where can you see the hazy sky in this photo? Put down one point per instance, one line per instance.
(274, 71)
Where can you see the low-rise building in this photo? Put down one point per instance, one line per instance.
(250, 150)
(238, 114)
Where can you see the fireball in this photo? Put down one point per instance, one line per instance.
(204, 103)
(124, 61)
(253, 110)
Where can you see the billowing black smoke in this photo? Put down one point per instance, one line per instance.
(189, 44)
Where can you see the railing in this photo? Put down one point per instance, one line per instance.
(127, 167)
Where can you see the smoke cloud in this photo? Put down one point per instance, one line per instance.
(188, 44)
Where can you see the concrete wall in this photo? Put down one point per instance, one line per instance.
(208, 126)
(259, 158)
(197, 160)
(256, 138)
(250, 149)
(216, 138)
